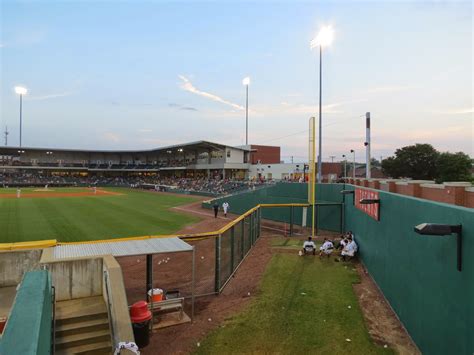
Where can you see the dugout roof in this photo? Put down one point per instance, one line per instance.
(122, 248)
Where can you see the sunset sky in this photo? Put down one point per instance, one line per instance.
(133, 75)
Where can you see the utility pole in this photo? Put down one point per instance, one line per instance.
(292, 159)
(332, 158)
(6, 133)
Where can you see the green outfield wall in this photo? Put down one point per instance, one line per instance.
(418, 274)
(28, 329)
(329, 216)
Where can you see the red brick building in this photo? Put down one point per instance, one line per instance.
(265, 154)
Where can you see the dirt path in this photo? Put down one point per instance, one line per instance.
(61, 194)
(382, 323)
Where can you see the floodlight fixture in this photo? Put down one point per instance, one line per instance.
(324, 37)
(20, 90)
(443, 230)
(369, 201)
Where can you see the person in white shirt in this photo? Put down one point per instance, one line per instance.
(309, 247)
(349, 250)
(225, 208)
(18, 193)
(326, 248)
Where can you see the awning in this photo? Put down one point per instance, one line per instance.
(122, 248)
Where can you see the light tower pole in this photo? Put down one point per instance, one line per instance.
(246, 83)
(323, 38)
(353, 163)
(6, 133)
(21, 91)
(367, 146)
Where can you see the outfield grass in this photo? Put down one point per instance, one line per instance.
(302, 308)
(133, 213)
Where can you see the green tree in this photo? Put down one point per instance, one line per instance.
(418, 162)
(454, 167)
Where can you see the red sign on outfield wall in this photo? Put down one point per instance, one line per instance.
(373, 210)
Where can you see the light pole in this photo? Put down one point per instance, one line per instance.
(246, 83)
(353, 163)
(322, 39)
(21, 91)
(345, 170)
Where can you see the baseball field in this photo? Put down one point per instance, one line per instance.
(80, 214)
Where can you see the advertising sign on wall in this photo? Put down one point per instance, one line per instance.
(373, 210)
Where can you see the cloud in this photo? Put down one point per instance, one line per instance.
(188, 86)
(111, 137)
(182, 108)
(390, 88)
(145, 130)
(49, 96)
(463, 111)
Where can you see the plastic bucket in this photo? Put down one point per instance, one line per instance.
(156, 295)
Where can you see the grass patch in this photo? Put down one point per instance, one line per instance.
(287, 242)
(134, 213)
(302, 308)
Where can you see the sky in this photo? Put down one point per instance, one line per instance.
(137, 75)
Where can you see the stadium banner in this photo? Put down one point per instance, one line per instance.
(372, 210)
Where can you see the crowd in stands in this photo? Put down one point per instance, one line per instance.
(196, 185)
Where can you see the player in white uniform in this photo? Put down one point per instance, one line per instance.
(94, 189)
(18, 193)
(326, 248)
(309, 247)
(225, 208)
(349, 250)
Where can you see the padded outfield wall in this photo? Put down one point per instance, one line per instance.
(329, 217)
(418, 274)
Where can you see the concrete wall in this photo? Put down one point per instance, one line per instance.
(116, 300)
(74, 278)
(13, 265)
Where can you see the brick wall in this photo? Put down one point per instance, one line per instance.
(455, 193)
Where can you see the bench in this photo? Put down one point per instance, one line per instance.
(168, 306)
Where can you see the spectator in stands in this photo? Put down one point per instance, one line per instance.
(309, 247)
(326, 248)
(215, 206)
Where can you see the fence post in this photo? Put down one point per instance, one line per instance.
(252, 239)
(242, 238)
(291, 221)
(218, 264)
(259, 222)
(232, 247)
(316, 219)
(342, 217)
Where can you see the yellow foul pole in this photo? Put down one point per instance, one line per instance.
(312, 172)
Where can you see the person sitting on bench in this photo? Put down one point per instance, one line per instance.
(349, 250)
(309, 247)
(326, 248)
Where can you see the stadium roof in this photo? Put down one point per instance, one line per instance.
(122, 248)
(190, 146)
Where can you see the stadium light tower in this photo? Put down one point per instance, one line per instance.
(246, 83)
(20, 90)
(323, 39)
(353, 163)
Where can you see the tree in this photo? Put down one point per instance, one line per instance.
(454, 167)
(418, 162)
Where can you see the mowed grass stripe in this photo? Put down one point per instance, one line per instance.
(133, 213)
(302, 308)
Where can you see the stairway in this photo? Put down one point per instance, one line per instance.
(82, 327)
